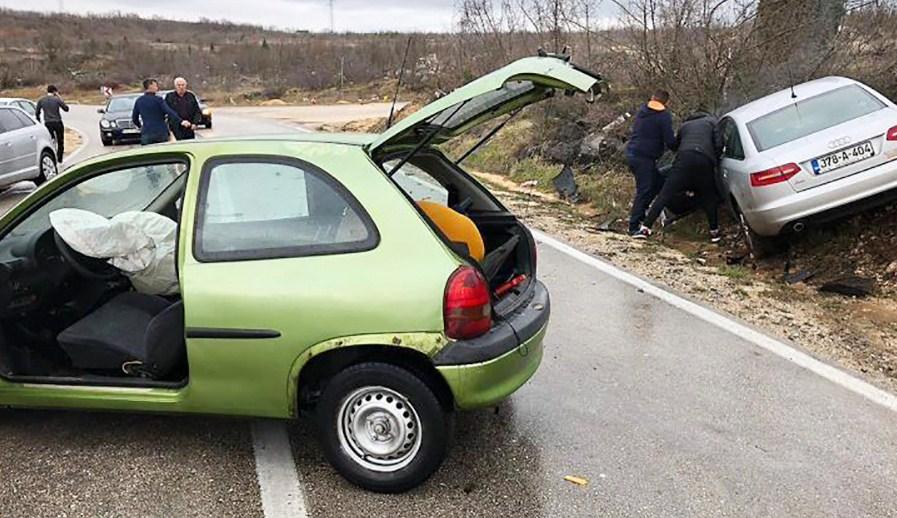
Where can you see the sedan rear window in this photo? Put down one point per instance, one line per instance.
(812, 115)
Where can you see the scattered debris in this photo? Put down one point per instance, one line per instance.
(579, 481)
(565, 183)
(801, 276)
(734, 260)
(532, 184)
(852, 286)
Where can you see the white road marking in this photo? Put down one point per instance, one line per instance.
(85, 141)
(275, 468)
(743, 331)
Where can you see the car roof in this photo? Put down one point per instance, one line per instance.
(783, 98)
(11, 99)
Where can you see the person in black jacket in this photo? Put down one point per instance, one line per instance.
(700, 145)
(652, 134)
(50, 105)
(186, 105)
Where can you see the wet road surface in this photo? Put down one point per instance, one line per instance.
(663, 414)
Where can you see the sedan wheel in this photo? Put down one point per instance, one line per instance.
(382, 427)
(48, 169)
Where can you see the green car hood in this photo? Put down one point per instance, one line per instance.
(519, 84)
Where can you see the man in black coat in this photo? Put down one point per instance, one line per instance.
(186, 105)
(700, 145)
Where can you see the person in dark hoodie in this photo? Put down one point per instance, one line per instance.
(700, 145)
(652, 134)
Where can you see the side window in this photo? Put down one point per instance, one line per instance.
(418, 184)
(261, 208)
(731, 138)
(23, 118)
(26, 106)
(8, 120)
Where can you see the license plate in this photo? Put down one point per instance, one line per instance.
(130, 131)
(842, 158)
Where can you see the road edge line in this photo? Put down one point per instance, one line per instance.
(85, 140)
(743, 331)
(276, 472)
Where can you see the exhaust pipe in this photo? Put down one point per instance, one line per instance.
(800, 226)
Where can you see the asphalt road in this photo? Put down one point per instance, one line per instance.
(664, 414)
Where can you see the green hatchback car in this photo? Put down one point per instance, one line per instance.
(364, 280)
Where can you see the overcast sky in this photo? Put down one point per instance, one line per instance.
(350, 15)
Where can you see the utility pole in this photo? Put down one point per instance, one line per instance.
(332, 24)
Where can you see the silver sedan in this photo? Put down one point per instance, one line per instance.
(806, 155)
(26, 148)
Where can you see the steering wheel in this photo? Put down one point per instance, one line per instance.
(85, 266)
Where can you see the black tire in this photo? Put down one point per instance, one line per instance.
(758, 246)
(45, 173)
(106, 141)
(432, 432)
(209, 124)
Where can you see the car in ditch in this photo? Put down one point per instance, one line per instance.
(365, 280)
(807, 155)
(116, 126)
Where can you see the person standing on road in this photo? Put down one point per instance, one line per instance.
(186, 105)
(50, 105)
(652, 134)
(149, 115)
(700, 145)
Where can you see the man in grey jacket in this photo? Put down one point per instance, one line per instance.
(699, 146)
(50, 105)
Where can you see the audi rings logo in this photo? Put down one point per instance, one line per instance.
(841, 142)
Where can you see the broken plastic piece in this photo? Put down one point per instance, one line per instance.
(579, 481)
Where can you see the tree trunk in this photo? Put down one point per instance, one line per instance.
(796, 36)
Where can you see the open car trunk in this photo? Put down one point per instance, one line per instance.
(407, 154)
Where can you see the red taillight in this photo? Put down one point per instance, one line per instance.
(892, 133)
(468, 307)
(783, 173)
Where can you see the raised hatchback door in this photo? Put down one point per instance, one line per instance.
(517, 85)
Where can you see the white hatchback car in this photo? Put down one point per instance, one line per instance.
(26, 148)
(825, 149)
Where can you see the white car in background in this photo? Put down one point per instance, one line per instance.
(822, 150)
(26, 105)
(26, 148)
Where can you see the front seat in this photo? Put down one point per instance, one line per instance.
(138, 333)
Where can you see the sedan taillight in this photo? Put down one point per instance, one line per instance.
(468, 305)
(782, 173)
(892, 133)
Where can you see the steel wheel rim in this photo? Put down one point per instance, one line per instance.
(48, 167)
(379, 429)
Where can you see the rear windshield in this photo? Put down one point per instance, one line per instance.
(812, 115)
(456, 116)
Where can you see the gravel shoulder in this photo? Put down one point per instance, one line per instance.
(858, 334)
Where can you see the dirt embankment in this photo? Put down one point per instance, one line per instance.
(860, 334)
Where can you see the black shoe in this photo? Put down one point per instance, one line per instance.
(642, 233)
(716, 236)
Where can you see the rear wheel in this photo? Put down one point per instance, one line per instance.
(382, 427)
(106, 141)
(48, 169)
(758, 246)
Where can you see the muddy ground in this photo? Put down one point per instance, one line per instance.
(860, 334)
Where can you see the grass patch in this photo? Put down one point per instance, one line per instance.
(738, 273)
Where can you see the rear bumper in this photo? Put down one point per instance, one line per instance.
(485, 371)
(824, 203)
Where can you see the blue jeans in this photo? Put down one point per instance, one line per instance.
(648, 182)
(153, 139)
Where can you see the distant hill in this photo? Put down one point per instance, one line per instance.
(85, 52)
